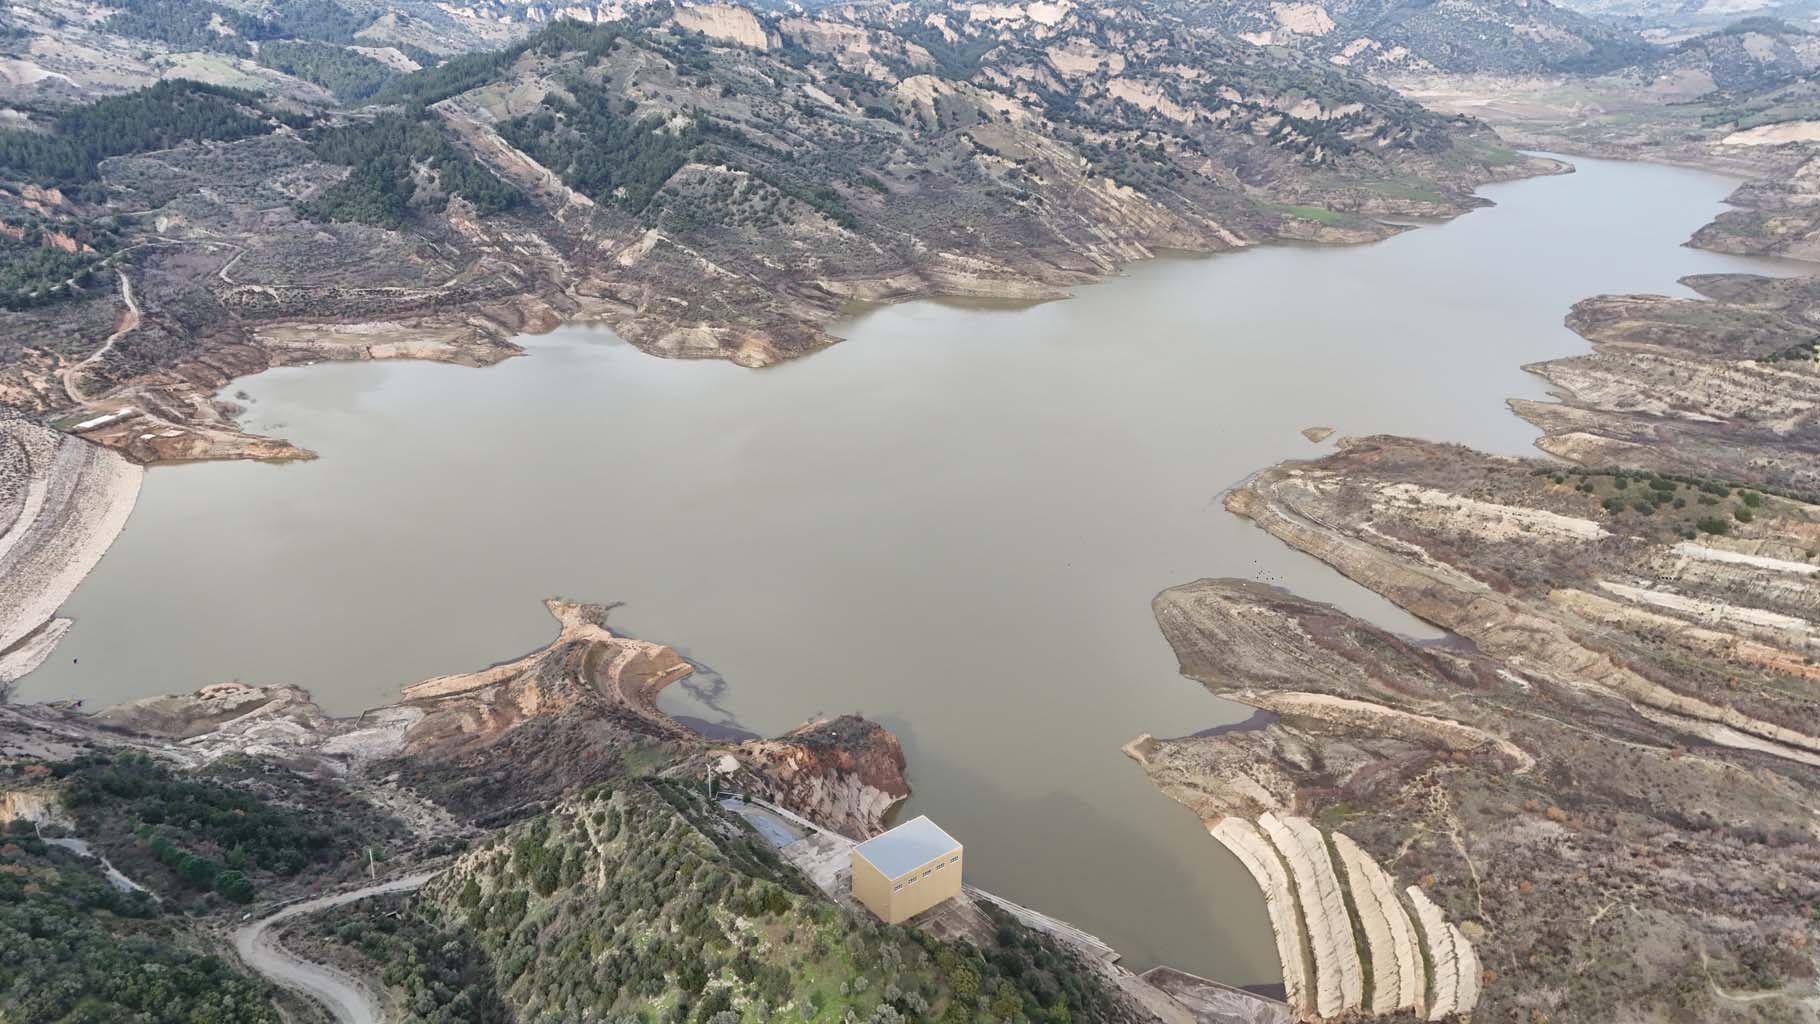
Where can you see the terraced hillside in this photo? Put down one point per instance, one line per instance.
(1622, 762)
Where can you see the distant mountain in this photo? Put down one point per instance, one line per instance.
(1672, 20)
(1752, 54)
(1415, 36)
(325, 50)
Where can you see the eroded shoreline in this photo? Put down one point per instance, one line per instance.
(1176, 842)
(460, 755)
(176, 414)
(1636, 695)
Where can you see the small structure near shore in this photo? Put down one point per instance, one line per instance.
(907, 870)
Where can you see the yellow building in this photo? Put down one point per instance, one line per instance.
(907, 870)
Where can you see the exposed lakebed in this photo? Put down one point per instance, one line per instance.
(954, 522)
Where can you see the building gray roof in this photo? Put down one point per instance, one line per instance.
(911, 845)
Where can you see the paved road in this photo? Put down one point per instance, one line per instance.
(257, 944)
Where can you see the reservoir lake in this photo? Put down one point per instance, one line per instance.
(952, 522)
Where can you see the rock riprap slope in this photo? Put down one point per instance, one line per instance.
(62, 503)
(1324, 892)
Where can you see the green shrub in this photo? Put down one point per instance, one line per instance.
(75, 949)
(235, 887)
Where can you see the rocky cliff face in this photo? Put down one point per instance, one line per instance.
(845, 773)
(38, 807)
(728, 24)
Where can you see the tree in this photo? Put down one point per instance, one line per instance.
(198, 872)
(234, 887)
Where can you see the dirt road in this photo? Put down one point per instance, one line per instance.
(347, 1000)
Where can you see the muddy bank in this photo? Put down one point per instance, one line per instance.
(774, 525)
(170, 413)
(167, 411)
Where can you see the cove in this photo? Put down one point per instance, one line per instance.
(953, 522)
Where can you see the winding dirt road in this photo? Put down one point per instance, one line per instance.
(348, 1002)
(129, 322)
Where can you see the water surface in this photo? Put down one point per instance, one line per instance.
(954, 522)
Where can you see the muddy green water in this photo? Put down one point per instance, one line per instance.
(954, 522)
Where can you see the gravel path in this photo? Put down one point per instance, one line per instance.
(347, 1000)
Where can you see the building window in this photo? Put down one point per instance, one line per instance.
(938, 867)
(928, 872)
(899, 887)
(956, 859)
(911, 882)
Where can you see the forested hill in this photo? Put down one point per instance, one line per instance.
(645, 901)
(636, 900)
(67, 146)
(193, 848)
